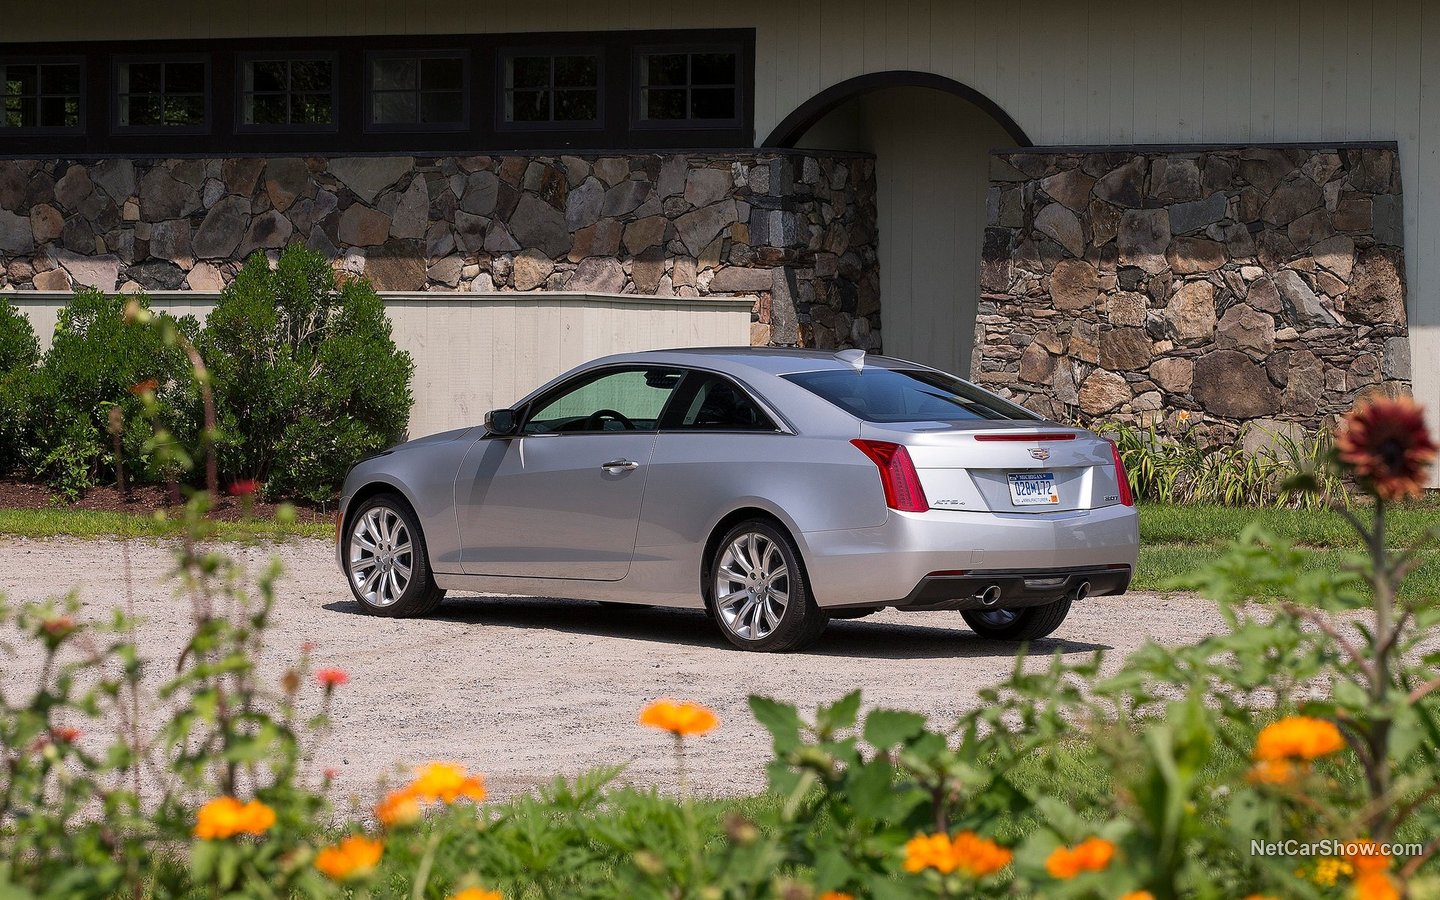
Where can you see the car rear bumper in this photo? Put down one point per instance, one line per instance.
(1014, 590)
(914, 556)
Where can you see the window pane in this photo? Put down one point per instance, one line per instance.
(904, 395)
(664, 69)
(310, 75)
(639, 396)
(396, 108)
(185, 78)
(577, 71)
(393, 74)
(21, 80)
(576, 106)
(721, 405)
(530, 106)
(60, 79)
(266, 76)
(712, 68)
(442, 108)
(664, 104)
(712, 103)
(145, 78)
(530, 72)
(310, 109)
(20, 112)
(185, 110)
(54, 112)
(442, 73)
(265, 110)
(142, 110)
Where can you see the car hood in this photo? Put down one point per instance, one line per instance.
(443, 437)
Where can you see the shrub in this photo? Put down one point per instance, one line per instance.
(19, 351)
(307, 378)
(98, 362)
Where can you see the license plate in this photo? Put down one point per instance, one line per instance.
(1033, 489)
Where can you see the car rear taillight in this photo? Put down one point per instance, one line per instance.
(897, 474)
(1126, 498)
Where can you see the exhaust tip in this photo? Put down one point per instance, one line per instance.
(990, 596)
(1082, 591)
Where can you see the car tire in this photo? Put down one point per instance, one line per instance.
(1028, 624)
(758, 592)
(386, 564)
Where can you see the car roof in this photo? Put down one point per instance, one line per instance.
(767, 360)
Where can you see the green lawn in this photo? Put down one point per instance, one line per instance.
(89, 523)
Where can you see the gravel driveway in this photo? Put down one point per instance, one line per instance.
(522, 689)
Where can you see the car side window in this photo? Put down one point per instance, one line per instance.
(718, 404)
(611, 400)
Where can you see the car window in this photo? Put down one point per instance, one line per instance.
(907, 395)
(719, 404)
(611, 400)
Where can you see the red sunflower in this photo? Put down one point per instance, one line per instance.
(1384, 443)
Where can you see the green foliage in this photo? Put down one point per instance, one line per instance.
(306, 376)
(100, 362)
(19, 351)
(1168, 469)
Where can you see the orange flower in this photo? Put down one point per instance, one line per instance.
(1273, 772)
(475, 893)
(835, 895)
(1375, 886)
(1138, 895)
(1090, 855)
(398, 808)
(141, 388)
(446, 782)
(974, 855)
(331, 678)
(1368, 858)
(1259, 897)
(1298, 737)
(1383, 441)
(354, 857)
(225, 817)
(678, 718)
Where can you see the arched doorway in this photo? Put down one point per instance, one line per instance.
(931, 138)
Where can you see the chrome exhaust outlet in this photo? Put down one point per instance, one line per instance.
(990, 596)
(1082, 591)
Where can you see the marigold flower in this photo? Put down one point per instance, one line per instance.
(398, 808)
(446, 782)
(65, 734)
(1273, 772)
(225, 817)
(243, 488)
(475, 893)
(1383, 441)
(354, 857)
(967, 851)
(58, 626)
(1138, 895)
(1329, 869)
(141, 388)
(678, 718)
(1260, 897)
(1090, 855)
(332, 678)
(1375, 886)
(1369, 857)
(1298, 737)
(835, 895)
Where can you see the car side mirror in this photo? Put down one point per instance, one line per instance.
(501, 421)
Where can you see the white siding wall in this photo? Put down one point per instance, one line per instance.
(475, 353)
(1102, 72)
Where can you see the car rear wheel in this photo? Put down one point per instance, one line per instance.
(385, 559)
(759, 594)
(1028, 624)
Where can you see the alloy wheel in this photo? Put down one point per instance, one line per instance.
(381, 556)
(752, 586)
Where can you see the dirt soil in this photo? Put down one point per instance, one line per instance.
(142, 499)
(523, 689)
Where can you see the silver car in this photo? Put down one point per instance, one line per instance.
(776, 489)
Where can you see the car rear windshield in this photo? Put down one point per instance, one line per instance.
(907, 395)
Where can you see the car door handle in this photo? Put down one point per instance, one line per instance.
(622, 464)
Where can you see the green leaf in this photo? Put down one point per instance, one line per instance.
(780, 719)
(840, 714)
(884, 728)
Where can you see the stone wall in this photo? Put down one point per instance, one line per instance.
(796, 230)
(1202, 289)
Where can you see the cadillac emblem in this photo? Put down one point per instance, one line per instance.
(1040, 453)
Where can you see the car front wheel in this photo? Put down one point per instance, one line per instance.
(385, 560)
(1028, 624)
(759, 594)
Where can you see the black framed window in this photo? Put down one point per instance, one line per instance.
(698, 86)
(550, 88)
(41, 95)
(287, 92)
(162, 94)
(417, 90)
